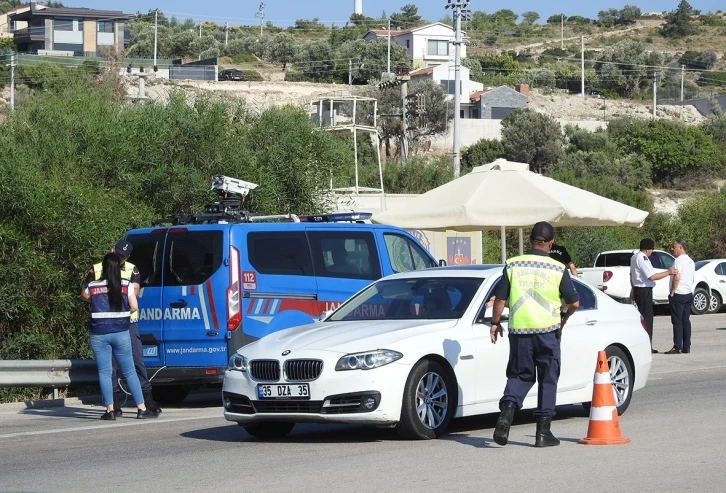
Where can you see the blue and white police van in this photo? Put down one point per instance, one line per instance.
(215, 281)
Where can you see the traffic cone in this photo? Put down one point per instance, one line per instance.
(604, 427)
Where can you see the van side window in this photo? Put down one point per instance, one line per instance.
(347, 254)
(192, 257)
(147, 257)
(405, 255)
(280, 253)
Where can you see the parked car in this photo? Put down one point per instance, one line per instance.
(230, 74)
(611, 274)
(714, 272)
(413, 350)
(595, 94)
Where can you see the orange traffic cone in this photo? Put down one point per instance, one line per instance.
(604, 427)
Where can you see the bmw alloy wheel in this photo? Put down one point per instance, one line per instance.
(432, 400)
(620, 378)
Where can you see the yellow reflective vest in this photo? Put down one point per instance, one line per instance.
(127, 268)
(534, 294)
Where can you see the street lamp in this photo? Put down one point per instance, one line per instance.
(457, 6)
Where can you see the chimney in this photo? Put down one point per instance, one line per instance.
(522, 89)
(32, 5)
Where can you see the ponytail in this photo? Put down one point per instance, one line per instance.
(111, 273)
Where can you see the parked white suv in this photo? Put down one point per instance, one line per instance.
(611, 274)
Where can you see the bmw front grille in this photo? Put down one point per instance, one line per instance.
(302, 370)
(265, 370)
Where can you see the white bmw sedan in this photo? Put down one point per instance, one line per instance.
(412, 351)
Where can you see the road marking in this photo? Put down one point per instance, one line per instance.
(107, 426)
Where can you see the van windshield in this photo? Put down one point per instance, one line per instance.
(411, 299)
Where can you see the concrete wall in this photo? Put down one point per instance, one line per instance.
(473, 130)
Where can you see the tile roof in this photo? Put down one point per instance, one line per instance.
(422, 71)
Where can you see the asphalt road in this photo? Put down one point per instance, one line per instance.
(675, 424)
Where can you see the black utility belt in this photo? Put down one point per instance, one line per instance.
(643, 287)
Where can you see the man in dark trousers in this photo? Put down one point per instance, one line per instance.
(642, 280)
(534, 285)
(560, 253)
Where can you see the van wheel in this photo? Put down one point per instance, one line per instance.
(172, 394)
(701, 301)
(269, 429)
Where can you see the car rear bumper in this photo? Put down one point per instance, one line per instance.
(185, 375)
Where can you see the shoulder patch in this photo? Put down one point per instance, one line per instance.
(645, 257)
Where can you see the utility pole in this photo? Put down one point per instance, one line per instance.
(261, 15)
(582, 65)
(683, 75)
(457, 6)
(156, 31)
(350, 77)
(655, 92)
(389, 47)
(200, 29)
(12, 81)
(562, 31)
(226, 33)
(404, 126)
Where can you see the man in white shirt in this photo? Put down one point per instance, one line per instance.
(680, 298)
(642, 280)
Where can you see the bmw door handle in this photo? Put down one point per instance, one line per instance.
(178, 304)
(591, 322)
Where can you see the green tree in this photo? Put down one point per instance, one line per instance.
(628, 15)
(504, 17)
(474, 66)
(674, 149)
(534, 138)
(407, 18)
(530, 17)
(624, 67)
(370, 58)
(284, 48)
(316, 61)
(556, 19)
(679, 23)
(481, 152)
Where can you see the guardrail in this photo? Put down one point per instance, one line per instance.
(47, 373)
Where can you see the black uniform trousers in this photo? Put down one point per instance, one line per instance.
(681, 318)
(137, 350)
(644, 301)
(533, 357)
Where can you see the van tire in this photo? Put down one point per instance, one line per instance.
(169, 394)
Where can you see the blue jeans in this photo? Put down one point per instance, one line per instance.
(117, 344)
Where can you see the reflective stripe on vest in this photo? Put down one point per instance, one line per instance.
(534, 294)
(127, 268)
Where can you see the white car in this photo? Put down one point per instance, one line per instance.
(412, 351)
(714, 272)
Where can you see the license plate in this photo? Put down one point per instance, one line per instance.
(151, 351)
(282, 391)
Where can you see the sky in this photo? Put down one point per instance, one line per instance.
(284, 12)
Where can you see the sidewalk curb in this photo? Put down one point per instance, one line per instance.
(48, 403)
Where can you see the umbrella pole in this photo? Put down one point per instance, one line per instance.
(521, 242)
(504, 245)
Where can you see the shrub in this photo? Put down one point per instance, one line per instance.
(481, 152)
(533, 138)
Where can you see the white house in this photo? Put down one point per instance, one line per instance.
(428, 45)
(444, 74)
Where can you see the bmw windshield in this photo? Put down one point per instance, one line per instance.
(410, 299)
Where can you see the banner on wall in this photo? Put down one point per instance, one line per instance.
(454, 247)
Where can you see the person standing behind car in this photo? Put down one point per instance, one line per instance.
(680, 297)
(560, 253)
(112, 301)
(642, 281)
(130, 273)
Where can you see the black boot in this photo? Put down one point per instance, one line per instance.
(501, 432)
(545, 438)
(151, 404)
(119, 399)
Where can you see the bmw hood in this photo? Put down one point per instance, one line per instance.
(344, 337)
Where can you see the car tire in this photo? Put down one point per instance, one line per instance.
(715, 303)
(701, 302)
(430, 389)
(169, 394)
(269, 429)
(622, 376)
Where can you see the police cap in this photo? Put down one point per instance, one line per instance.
(123, 248)
(542, 232)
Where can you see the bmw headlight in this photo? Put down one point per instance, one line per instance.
(237, 362)
(367, 360)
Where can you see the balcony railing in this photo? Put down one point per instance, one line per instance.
(33, 31)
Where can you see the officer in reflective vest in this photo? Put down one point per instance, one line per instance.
(535, 286)
(130, 273)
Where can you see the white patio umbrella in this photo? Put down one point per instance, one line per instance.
(505, 194)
